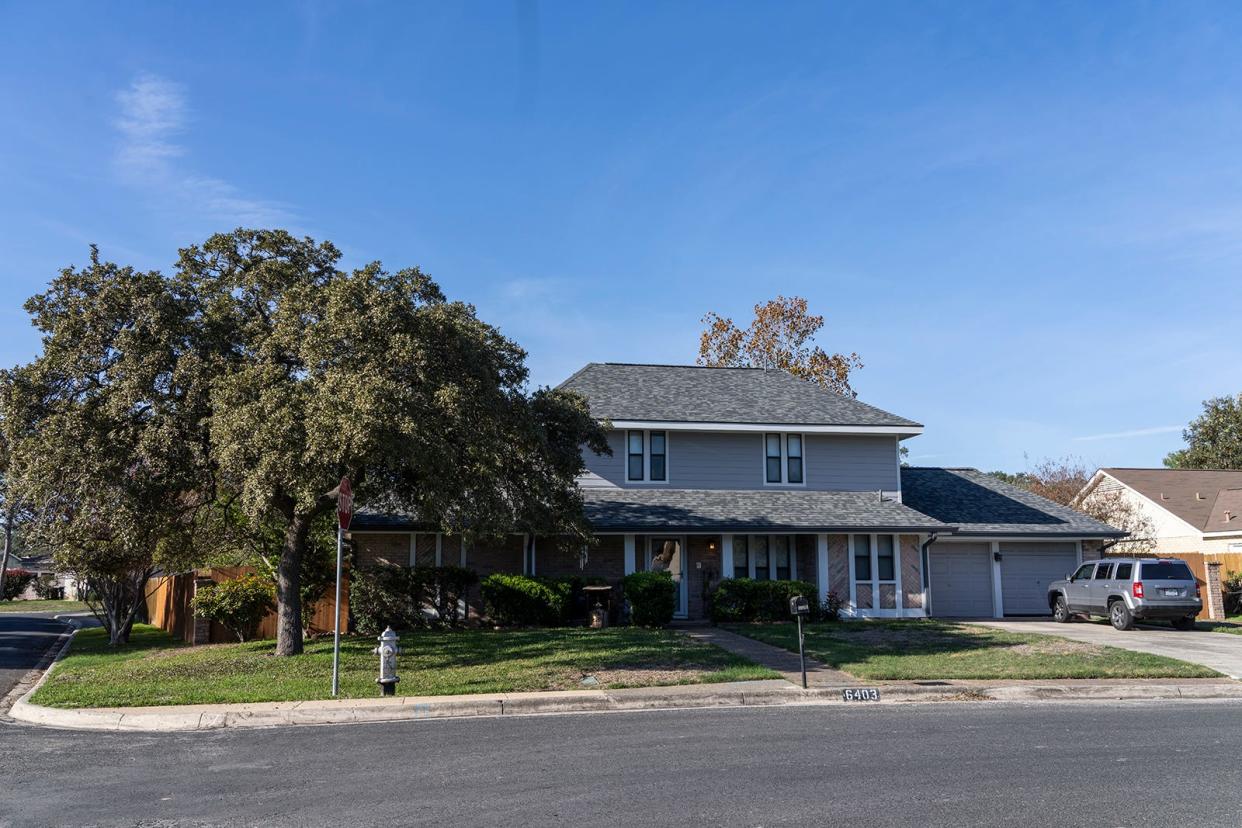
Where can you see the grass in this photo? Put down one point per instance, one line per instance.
(156, 670)
(42, 606)
(926, 649)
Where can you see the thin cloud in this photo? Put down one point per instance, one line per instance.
(153, 112)
(1125, 435)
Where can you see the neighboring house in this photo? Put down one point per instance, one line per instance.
(1189, 510)
(740, 472)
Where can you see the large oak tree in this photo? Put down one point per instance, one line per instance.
(1213, 439)
(373, 375)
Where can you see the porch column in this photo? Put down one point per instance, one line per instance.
(821, 565)
(998, 600)
(726, 556)
(629, 554)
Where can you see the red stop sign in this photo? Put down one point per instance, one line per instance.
(344, 504)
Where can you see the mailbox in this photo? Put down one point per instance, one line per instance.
(798, 605)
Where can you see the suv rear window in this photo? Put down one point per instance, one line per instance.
(1166, 571)
(1124, 571)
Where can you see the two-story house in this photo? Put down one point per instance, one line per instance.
(739, 472)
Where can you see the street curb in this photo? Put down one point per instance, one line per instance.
(415, 708)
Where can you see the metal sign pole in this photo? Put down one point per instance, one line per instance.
(336, 611)
(802, 652)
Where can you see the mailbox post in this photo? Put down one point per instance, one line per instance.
(798, 607)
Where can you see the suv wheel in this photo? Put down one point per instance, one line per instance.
(1187, 623)
(1119, 615)
(1060, 611)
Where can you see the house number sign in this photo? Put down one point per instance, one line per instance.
(860, 694)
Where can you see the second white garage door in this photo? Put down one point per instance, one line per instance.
(1026, 571)
(961, 579)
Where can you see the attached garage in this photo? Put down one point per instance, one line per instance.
(961, 579)
(1027, 569)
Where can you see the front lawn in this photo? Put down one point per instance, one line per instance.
(926, 649)
(39, 605)
(1232, 624)
(156, 670)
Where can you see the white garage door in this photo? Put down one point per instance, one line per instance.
(1026, 571)
(961, 579)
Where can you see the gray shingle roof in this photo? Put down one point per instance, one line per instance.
(690, 393)
(979, 504)
(730, 510)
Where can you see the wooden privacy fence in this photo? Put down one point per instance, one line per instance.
(169, 607)
(1197, 561)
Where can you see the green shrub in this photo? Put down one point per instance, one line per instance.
(830, 610)
(239, 604)
(1232, 585)
(652, 597)
(744, 599)
(399, 596)
(48, 588)
(15, 583)
(525, 601)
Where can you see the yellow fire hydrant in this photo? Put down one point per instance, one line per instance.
(387, 651)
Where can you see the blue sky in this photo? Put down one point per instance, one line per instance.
(1027, 219)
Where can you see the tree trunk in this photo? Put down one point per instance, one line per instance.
(8, 543)
(289, 588)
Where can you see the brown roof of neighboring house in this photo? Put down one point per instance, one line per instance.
(1226, 512)
(1191, 494)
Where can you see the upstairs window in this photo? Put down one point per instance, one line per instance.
(782, 459)
(636, 465)
(646, 456)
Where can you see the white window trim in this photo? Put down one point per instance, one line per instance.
(646, 480)
(899, 611)
(763, 468)
(750, 556)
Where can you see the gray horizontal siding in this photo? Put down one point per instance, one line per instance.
(716, 460)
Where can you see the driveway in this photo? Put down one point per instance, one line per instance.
(1220, 651)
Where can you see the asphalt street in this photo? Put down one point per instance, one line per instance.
(23, 641)
(958, 764)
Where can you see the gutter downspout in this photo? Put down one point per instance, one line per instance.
(932, 538)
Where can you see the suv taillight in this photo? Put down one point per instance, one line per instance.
(1138, 589)
(1196, 589)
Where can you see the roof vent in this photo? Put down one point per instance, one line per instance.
(1228, 516)
(1198, 496)
(1164, 496)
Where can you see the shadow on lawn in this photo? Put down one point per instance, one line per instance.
(845, 642)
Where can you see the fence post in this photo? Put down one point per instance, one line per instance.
(200, 629)
(1215, 592)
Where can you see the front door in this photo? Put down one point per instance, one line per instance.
(669, 555)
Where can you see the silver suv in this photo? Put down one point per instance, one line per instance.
(1128, 589)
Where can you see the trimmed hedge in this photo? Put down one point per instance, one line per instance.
(652, 597)
(744, 599)
(525, 601)
(398, 596)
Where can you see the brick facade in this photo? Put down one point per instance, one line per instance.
(911, 572)
(839, 566)
(372, 548)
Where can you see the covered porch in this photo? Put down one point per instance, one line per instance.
(873, 574)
